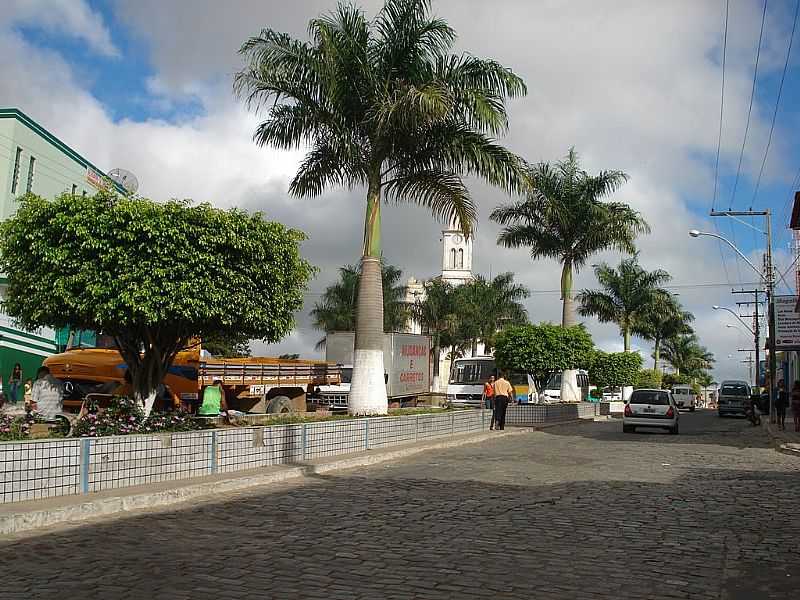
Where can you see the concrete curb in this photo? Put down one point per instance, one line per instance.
(780, 446)
(32, 515)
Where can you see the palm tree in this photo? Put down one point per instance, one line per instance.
(686, 355)
(490, 305)
(666, 320)
(629, 294)
(384, 105)
(336, 311)
(566, 218)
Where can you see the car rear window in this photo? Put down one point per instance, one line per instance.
(734, 389)
(649, 397)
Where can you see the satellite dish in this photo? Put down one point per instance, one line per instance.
(124, 178)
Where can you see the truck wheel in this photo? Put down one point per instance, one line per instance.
(279, 405)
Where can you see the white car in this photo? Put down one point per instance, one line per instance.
(651, 408)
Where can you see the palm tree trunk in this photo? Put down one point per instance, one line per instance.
(656, 353)
(568, 312)
(368, 389)
(627, 339)
(437, 355)
(474, 348)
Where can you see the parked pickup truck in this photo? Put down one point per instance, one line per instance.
(253, 385)
(406, 362)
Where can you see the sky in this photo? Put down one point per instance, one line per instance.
(635, 86)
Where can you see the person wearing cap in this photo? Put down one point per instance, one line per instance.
(213, 400)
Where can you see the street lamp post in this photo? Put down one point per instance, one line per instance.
(755, 333)
(769, 280)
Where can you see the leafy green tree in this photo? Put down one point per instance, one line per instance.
(629, 294)
(687, 356)
(384, 105)
(566, 217)
(666, 319)
(150, 274)
(227, 345)
(486, 306)
(648, 378)
(615, 369)
(337, 309)
(542, 349)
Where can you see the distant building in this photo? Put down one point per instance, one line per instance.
(456, 270)
(34, 160)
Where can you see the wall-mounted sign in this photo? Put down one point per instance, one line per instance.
(95, 178)
(787, 323)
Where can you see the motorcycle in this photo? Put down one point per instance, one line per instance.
(752, 413)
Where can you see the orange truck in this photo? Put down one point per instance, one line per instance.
(92, 364)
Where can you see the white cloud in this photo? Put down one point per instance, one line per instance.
(636, 90)
(73, 18)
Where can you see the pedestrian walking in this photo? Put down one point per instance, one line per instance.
(503, 392)
(15, 383)
(796, 405)
(781, 402)
(487, 400)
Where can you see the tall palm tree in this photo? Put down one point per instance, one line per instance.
(565, 217)
(490, 305)
(336, 311)
(666, 320)
(629, 294)
(686, 355)
(383, 104)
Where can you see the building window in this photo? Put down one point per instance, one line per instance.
(460, 258)
(31, 167)
(74, 188)
(15, 178)
(453, 258)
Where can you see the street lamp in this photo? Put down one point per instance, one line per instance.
(695, 234)
(715, 307)
(769, 279)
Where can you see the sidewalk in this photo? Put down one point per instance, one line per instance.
(787, 441)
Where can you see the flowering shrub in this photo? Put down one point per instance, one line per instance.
(18, 427)
(125, 416)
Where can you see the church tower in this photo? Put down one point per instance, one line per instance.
(456, 255)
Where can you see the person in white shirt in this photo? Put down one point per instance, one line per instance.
(47, 394)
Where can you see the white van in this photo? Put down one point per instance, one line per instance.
(552, 389)
(684, 396)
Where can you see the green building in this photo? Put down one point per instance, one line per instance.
(34, 160)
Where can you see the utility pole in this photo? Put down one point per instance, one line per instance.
(756, 326)
(750, 361)
(769, 280)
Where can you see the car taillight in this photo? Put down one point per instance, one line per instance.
(670, 412)
(628, 411)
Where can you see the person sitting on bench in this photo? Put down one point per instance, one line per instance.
(47, 394)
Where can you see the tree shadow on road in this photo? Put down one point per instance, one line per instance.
(355, 536)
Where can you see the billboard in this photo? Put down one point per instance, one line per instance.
(787, 323)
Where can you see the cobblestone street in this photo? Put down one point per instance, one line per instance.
(577, 511)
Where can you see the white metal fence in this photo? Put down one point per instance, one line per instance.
(47, 468)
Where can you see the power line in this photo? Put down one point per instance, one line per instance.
(750, 108)
(721, 105)
(777, 104)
